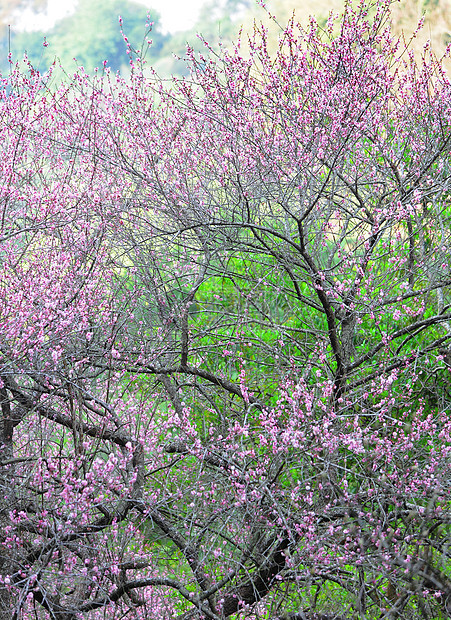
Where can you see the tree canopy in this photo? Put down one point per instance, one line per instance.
(225, 348)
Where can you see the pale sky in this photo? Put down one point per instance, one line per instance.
(175, 14)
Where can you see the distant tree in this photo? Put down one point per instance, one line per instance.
(20, 43)
(90, 36)
(92, 33)
(9, 16)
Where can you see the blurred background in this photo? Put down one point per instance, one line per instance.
(87, 32)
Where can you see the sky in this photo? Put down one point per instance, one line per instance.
(175, 14)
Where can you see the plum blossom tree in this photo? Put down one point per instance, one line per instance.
(225, 346)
